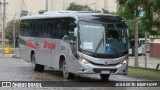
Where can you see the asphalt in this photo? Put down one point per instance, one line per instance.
(13, 69)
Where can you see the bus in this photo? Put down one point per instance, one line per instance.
(141, 46)
(75, 42)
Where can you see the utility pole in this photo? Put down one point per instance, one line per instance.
(14, 33)
(146, 49)
(63, 5)
(136, 42)
(4, 23)
(46, 5)
(1, 33)
(136, 39)
(0, 10)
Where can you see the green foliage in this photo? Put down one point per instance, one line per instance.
(105, 11)
(144, 73)
(129, 9)
(130, 24)
(77, 7)
(9, 29)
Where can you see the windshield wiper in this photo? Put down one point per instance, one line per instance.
(115, 51)
(100, 42)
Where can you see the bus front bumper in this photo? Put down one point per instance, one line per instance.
(88, 68)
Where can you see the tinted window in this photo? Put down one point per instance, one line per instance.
(32, 28)
(62, 27)
(24, 28)
(46, 28)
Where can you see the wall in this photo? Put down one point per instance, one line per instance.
(13, 6)
(33, 6)
(155, 48)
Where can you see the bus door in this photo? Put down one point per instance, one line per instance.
(72, 42)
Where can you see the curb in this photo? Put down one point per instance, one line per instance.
(8, 55)
(145, 68)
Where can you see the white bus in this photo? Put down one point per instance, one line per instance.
(141, 46)
(75, 43)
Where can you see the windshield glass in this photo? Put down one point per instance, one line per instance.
(106, 39)
(116, 38)
(91, 37)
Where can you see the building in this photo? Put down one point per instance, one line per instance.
(155, 46)
(14, 7)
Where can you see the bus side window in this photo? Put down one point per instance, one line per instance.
(59, 31)
(65, 28)
(40, 29)
(32, 28)
(37, 28)
(43, 28)
(48, 27)
(24, 29)
(56, 28)
(46, 31)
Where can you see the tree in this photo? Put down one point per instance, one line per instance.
(77, 7)
(129, 9)
(9, 30)
(105, 11)
(131, 24)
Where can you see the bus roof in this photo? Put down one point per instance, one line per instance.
(81, 15)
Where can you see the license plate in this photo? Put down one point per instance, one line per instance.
(105, 71)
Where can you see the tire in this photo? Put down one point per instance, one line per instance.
(104, 76)
(66, 74)
(36, 67)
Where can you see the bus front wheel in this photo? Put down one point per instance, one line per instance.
(36, 67)
(66, 74)
(104, 76)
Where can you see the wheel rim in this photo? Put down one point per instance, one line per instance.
(33, 62)
(65, 73)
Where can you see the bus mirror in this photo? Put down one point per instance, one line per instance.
(75, 32)
(65, 38)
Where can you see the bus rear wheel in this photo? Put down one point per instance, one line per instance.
(104, 76)
(36, 67)
(66, 74)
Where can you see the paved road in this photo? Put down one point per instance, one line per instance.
(18, 70)
(151, 63)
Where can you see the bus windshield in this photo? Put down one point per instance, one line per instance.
(90, 36)
(103, 39)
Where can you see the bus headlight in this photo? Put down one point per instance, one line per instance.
(124, 62)
(83, 60)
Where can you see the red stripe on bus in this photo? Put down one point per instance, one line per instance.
(31, 45)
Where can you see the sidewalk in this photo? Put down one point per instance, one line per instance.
(16, 53)
(151, 62)
(7, 55)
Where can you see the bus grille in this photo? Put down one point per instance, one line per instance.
(98, 70)
(104, 64)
